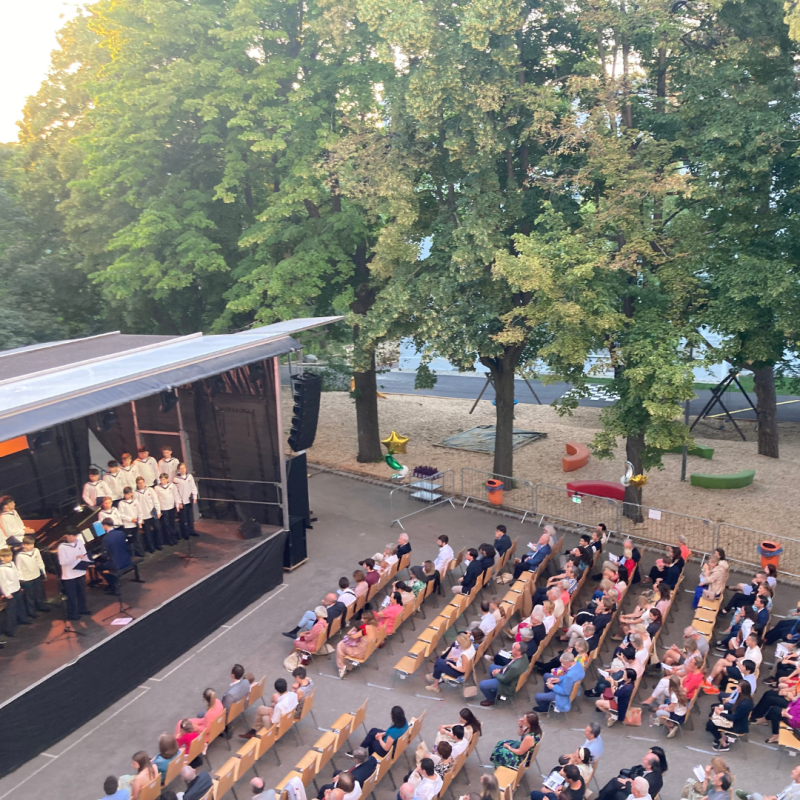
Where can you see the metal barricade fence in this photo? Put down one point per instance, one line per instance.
(558, 503)
(517, 493)
(664, 527)
(421, 494)
(741, 546)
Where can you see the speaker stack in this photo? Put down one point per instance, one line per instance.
(307, 390)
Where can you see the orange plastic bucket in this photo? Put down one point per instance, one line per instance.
(770, 553)
(495, 490)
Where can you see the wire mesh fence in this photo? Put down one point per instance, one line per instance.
(741, 546)
(516, 493)
(558, 503)
(420, 495)
(664, 527)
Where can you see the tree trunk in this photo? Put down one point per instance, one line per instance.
(766, 407)
(633, 494)
(502, 371)
(366, 397)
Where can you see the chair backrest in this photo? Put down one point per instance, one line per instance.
(384, 765)
(325, 748)
(333, 628)
(175, 766)
(266, 739)
(370, 783)
(152, 790)
(343, 727)
(236, 709)
(473, 743)
(196, 747)
(247, 755)
(215, 727)
(308, 704)
(225, 777)
(284, 723)
(307, 767)
(360, 715)
(256, 691)
(404, 561)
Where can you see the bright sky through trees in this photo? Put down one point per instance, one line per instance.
(27, 37)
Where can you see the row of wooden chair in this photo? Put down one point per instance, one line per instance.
(427, 641)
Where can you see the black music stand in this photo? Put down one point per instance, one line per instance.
(67, 630)
(124, 609)
(189, 556)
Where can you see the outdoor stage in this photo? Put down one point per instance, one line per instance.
(38, 649)
(55, 688)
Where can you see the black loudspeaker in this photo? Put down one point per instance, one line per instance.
(297, 486)
(250, 529)
(307, 390)
(294, 550)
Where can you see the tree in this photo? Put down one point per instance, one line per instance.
(738, 111)
(464, 105)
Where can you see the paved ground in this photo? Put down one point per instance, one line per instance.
(351, 525)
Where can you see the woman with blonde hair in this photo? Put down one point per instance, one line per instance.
(213, 710)
(490, 788)
(455, 662)
(696, 790)
(673, 713)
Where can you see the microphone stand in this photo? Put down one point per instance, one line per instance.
(189, 556)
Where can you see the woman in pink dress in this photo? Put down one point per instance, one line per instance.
(390, 614)
(308, 641)
(213, 710)
(354, 645)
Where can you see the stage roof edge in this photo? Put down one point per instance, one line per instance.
(45, 397)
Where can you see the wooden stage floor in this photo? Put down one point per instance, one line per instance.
(37, 650)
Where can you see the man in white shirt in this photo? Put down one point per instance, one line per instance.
(287, 701)
(431, 783)
(487, 623)
(149, 515)
(12, 528)
(167, 463)
(460, 744)
(11, 589)
(554, 595)
(30, 566)
(128, 510)
(71, 552)
(640, 789)
(348, 785)
(345, 593)
(170, 503)
(445, 555)
(187, 491)
(95, 489)
(114, 480)
(146, 466)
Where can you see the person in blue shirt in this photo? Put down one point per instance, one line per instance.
(786, 629)
(531, 561)
(112, 790)
(560, 688)
(116, 554)
(380, 743)
(167, 753)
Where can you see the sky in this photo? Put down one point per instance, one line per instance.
(27, 37)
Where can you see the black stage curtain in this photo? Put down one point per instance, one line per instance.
(69, 698)
(231, 422)
(45, 481)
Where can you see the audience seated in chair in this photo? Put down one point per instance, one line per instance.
(283, 701)
(511, 752)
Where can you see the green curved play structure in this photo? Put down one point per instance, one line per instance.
(735, 480)
(696, 450)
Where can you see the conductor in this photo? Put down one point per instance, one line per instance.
(116, 554)
(73, 560)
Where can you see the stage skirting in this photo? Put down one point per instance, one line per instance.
(70, 697)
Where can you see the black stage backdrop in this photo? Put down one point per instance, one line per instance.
(70, 697)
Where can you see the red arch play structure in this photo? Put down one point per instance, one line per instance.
(577, 456)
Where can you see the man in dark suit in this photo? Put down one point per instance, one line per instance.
(335, 609)
(116, 554)
(486, 554)
(474, 570)
(531, 561)
(361, 770)
(197, 783)
(502, 541)
(403, 545)
(620, 788)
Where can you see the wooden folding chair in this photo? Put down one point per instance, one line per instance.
(236, 710)
(247, 755)
(152, 790)
(325, 748)
(343, 727)
(176, 765)
(196, 747)
(308, 708)
(256, 692)
(285, 723)
(266, 741)
(360, 716)
(215, 728)
(225, 778)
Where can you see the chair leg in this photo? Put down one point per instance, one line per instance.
(275, 752)
(297, 736)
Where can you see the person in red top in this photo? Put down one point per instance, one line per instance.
(388, 616)
(693, 678)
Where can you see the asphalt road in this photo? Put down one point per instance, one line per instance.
(469, 387)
